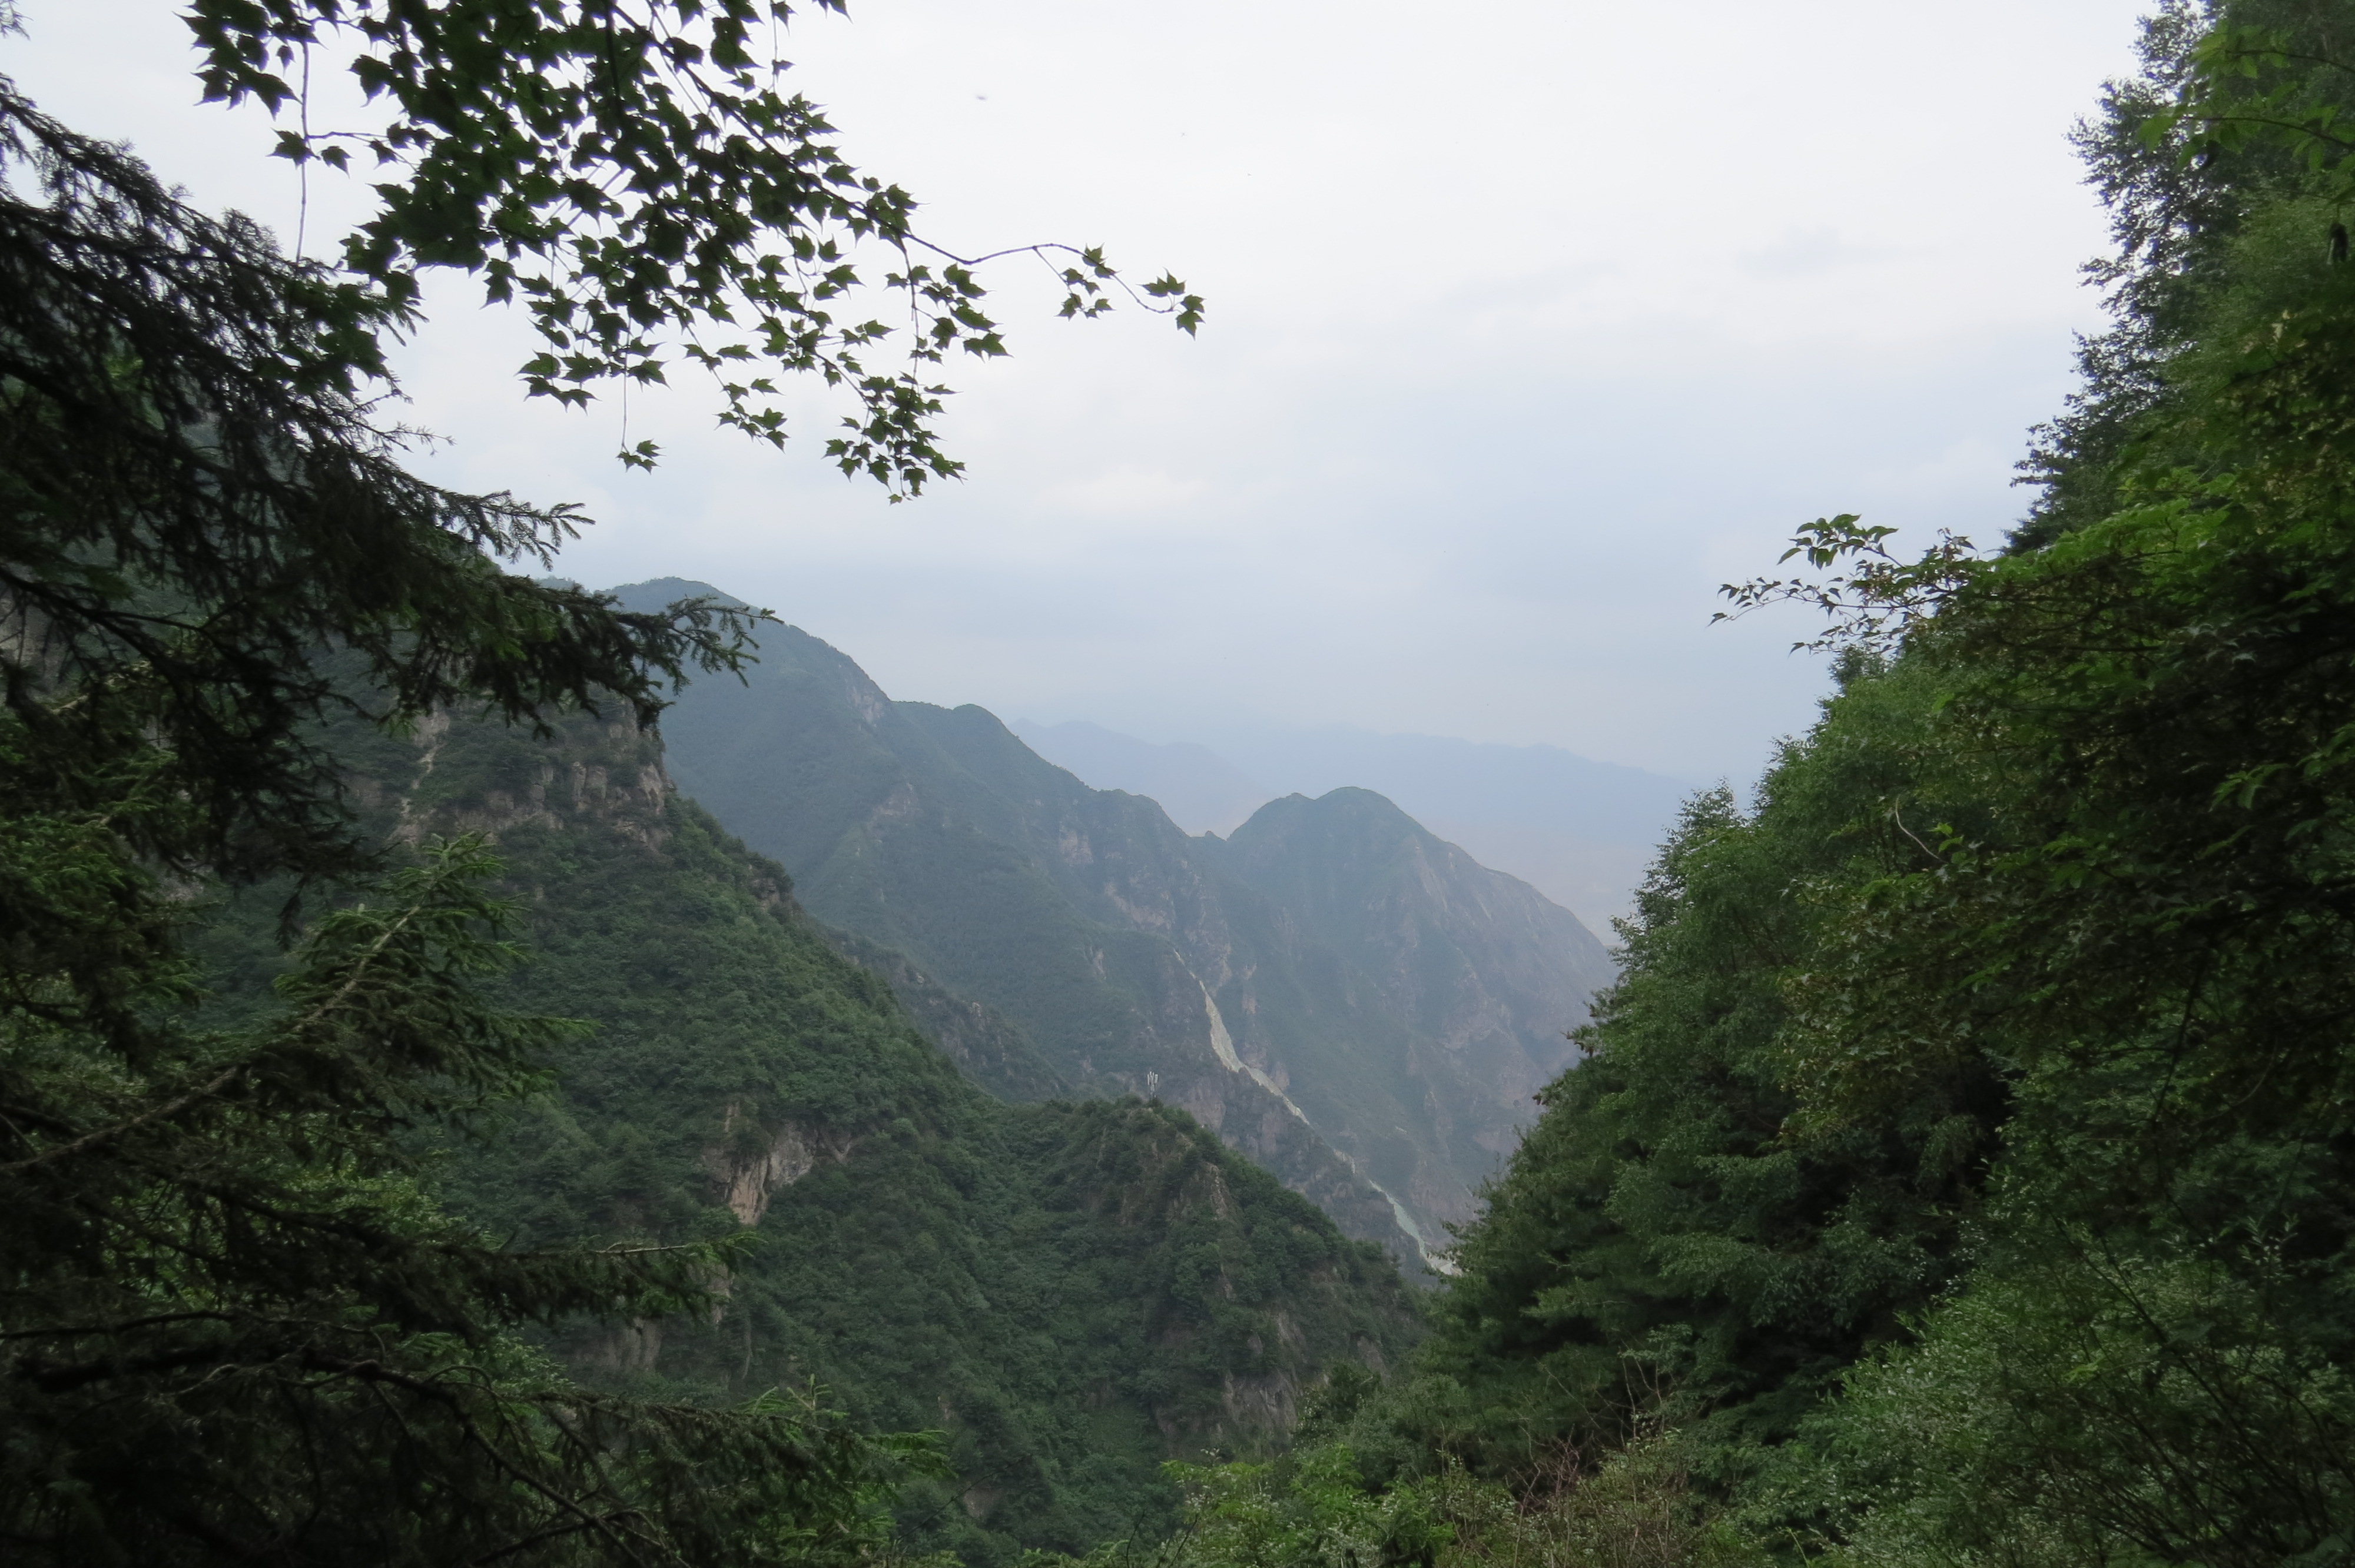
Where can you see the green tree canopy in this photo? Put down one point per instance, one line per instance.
(1962, 1166)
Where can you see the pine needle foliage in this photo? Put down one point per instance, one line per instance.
(196, 501)
(232, 1328)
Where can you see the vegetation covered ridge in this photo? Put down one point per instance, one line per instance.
(1071, 1294)
(251, 1025)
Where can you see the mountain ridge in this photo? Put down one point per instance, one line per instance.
(1138, 959)
(1579, 830)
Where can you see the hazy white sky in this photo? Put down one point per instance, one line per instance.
(1531, 323)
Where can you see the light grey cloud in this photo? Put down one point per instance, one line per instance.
(1531, 325)
(1802, 252)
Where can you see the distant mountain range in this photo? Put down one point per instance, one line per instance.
(1357, 1004)
(1581, 832)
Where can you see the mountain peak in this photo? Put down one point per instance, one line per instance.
(1349, 804)
(660, 593)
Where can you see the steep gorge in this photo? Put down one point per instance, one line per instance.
(1357, 1005)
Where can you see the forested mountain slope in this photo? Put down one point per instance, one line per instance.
(1334, 979)
(1962, 1170)
(1074, 1292)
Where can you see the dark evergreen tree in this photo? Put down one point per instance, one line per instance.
(231, 1328)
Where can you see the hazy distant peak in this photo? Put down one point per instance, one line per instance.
(1351, 810)
(660, 593)
(1304, 988)
(1579, 830)
(782, 652)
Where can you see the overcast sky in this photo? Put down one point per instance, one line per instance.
(1530, 325)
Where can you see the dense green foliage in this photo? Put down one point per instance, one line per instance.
(1961, 1171)
(1659, 1229)
(236, 1323)
(1635, 1508)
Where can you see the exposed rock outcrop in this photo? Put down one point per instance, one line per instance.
(749, 1176)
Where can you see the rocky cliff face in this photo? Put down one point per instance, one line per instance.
(1339, 994)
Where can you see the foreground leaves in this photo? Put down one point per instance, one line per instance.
(633, 173)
